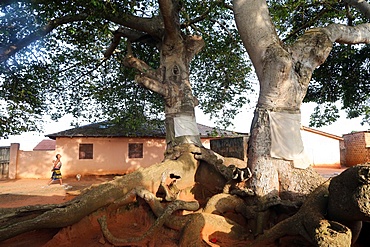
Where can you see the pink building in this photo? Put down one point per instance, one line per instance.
(104, 148)
(100, 149)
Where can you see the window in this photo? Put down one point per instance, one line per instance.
(86, 151)
(135, 150)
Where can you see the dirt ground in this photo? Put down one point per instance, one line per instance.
(22, 192)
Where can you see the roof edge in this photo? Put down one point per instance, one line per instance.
(319, 132)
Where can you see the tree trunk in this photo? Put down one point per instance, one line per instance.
(282, 89)
(275, 149)
(284, 73)
(181, 126)
(171, 79)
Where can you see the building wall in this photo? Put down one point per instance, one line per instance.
(34, 164)
(110, 156)
(322, 151)
(357, 148)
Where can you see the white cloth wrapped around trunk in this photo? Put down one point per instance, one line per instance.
(185, 126)
(286, 140)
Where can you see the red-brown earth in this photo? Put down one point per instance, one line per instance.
(123, 224)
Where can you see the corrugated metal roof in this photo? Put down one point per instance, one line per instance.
(109, 129)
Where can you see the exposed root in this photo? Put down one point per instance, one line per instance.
(215, 160)
(221, 203)
(224, 230)
(214, 230)
(168, 192)
(310, 223)
(170, 209)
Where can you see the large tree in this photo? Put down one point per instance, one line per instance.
(284, 72)
(60, 57)
(284, 69)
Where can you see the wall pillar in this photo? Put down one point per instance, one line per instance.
(13, 160)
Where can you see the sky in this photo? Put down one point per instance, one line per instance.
(241, 123)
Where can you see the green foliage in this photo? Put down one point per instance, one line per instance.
(221, 72)
(63, 72)
(323, 114)
(344, 77)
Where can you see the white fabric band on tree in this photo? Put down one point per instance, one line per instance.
(185, 126)
(286, 140)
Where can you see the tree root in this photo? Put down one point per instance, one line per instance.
(214, 230)
(221, 203)
(310, 223)
(349, 198)
(225, 230)
(174, 206)
(162, 213)
(18, 221)
(332, 214)
(215, 160)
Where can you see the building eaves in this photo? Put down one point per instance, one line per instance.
(315, 131)
(107, 129)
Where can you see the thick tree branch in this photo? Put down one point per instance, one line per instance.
(152, 26)
(194, 45)
(348, 34)
(361, 5)
(152, 85)
(137, 36)
(133, 62)
(170, 16)
(115, 42)
(317, 44)
(132, 36)
(14, 48)
(256, 29)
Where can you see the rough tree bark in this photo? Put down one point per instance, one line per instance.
(321, 221)
(16, 221)
(171, 79)
(284, 73)
(332, 215)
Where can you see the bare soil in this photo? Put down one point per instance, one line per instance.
(123, 224)
(22, 192)
(128, 222)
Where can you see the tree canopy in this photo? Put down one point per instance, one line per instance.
(56, 58)
(344, 76)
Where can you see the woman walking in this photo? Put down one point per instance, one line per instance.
(56, 175)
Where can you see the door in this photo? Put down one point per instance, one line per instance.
(4, 162)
